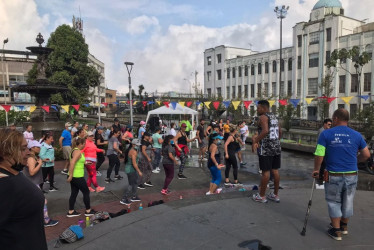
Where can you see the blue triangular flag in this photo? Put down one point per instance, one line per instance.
(116, 103)
(256, 102)
(174, 105)
(226, 103)
(198, 103)
(365, 97)
(86, 105)
(295, 102)
(21, 107)
(54, 107)
(150, 102)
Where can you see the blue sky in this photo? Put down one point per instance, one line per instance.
(164, 38)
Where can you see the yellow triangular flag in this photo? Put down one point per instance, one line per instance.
(65, 107)
(181, 103)
(207, 104)
(346, 99)
(135, 102)
(158, 102)
(235, 104)
(97, 104)
(271, 102)
(309, 100)
(32, 109)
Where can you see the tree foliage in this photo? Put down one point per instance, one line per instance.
(286, 113)
(366, 117)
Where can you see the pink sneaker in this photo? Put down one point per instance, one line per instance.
(165, 192)
(91, 189)
(99, 189)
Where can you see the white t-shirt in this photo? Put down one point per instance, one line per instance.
(173, 132)
(243, 130)
(29, 136)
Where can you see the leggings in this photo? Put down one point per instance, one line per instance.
(146, 168)
(77, 184)
(169, 174)
(216, 175)
(182, 158)
(231, 161)
(49, 171)
(113, 163)
(91, 170)
(100, 160)
(130, 190)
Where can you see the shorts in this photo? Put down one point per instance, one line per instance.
(225, 136)
(202, 144)
(268, 163)
(66, 151)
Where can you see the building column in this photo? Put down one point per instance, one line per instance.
(285, 73)
(249, 81)
(255, 81)
(278, 80)
(263, 77)
(348, 84)
(270, 83)
(242, 80)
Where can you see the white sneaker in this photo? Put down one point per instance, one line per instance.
(208, 193)
(204, 159)
(158, 169)
(155, 171)
(98, 173)
(273, 197)
(258, 198)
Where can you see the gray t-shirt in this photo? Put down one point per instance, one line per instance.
(36, 178)
(165, 154)
(111, 142)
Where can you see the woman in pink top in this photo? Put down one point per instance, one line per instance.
(90, 151)
(128, 136)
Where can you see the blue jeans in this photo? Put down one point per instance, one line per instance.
(216, 175)
(339, 194)
(157, 160)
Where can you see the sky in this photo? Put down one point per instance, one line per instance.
(165, 39)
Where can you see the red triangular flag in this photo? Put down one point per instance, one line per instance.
(46, 108)
(6, 107)
(216, 104)
(283, 102)
(330, 99)
(103, 103)
(76, 107)
(188, 104)
(144, 103)
(247, 103)
(128, 102)
(166, 104)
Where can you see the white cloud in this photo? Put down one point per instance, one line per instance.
(140, 24)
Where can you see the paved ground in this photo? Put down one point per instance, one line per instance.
(220, 221)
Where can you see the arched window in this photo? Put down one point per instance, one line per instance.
(282, 65)
(266, 67)
(274, 66)
(259, 68)
(252, 70)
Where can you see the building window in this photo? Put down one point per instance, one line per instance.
(367, 82)
(219, 58)
(246, 70)
(328, 56)
(273, 88)
(299, 62)
(274, 66)
(209, 75)
(353, 111)
(313, 60)
(259, 90)
(289, 64)
(219, 92)
(289, 88)
(209, 60)
(209, 90)
(233, 92)
(342, 84)
(259, 68)
(228, 93)
(281, 91)
(314, 38)
(266, 89)
(282, 65)
(354, 83)
(245, 91)
(299, 88)
(328, 34)
(299, 41)
(233, 72)
(312, 86)
(252, 70)
(252, 90)
(219, 74)
(239, 91)
(228, 73)
(240, 71)
(341, 106)
(266, 68)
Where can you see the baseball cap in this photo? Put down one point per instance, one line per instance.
(135, 142)
(183, 125)
(142, 122)
(100, 128)
(116, 120)
(217, 137)
(68, 124)
(34, 143)
(90, 133)
(128, 126)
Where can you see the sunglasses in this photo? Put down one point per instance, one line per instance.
(329, 124)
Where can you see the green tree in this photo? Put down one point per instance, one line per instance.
(140, 91)
(286, 113)
(67, 66)
(366, 117)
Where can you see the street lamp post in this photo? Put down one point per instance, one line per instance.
(129, 69)
(281, 13)
(2, 69)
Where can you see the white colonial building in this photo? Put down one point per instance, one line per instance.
(97, 94)
(235, 73)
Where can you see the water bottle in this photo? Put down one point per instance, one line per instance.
(128, 208)
(141, 206)
(87, 221)
(81, 223)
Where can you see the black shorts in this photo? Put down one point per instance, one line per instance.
(268, 163)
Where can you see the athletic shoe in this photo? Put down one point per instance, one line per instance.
(99, 189)
(165, 192)
(181, 177)
(148, 183)
(204, 159)
(91, 189)
(208, 193)
(335, 233)
(135, 198)
(155, 171)
(158, 169)
(98, 173)
(65, 171)
(243, 163)
(52, 189)
(260, 171)
(258, 198)
(218, 190)
(237, 183)
(108, 180)
(343, 228)
(90, 213)
(141, 186)
(51, 223)
(118, 177)
(228, 184)
(273, 197)
(125, 202)
(73, 214)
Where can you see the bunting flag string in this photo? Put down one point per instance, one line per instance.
(166, 104)
(247, 103)
(21, 107)
(134, 102)
(150, 102)
(32, 109)
(226, 103)
(365, 97)
(207, 104)
(330, 99)
(174, 105)
(76, 107)
(188, 104)
(104, 103)
(294, 102)
(198, 103)
(87, 105)
(256, 102)
(235, 104)
(271, 102)
(346, 99)
(283, 102)
(6, 107)
(144, 103)
(46, 108)
(54, 107)
(309, 100)
(158, 103)
(216, 105)
(181, 103)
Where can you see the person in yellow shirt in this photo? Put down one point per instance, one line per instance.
(226, 130)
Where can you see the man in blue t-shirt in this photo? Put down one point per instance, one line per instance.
(65, 145)
(338, 146)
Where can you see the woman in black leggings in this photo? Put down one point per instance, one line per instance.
(231, 147)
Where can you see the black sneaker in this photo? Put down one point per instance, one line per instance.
(52, 189)
(125, 202)
(148, 183)
(51, 223)
(181, 177)
(64, 171)
(228, 184)
(335, 233)
(243, 163)
(118, 177)
(108, 180)
(73, 214)
(141, 186)
(90, 213)
(135, 198)
(238, 183)
(343, 227)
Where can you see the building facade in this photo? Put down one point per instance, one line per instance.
(97, 94)
(243, 74)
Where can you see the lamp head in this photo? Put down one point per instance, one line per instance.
(129, 63)
(6, 41)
